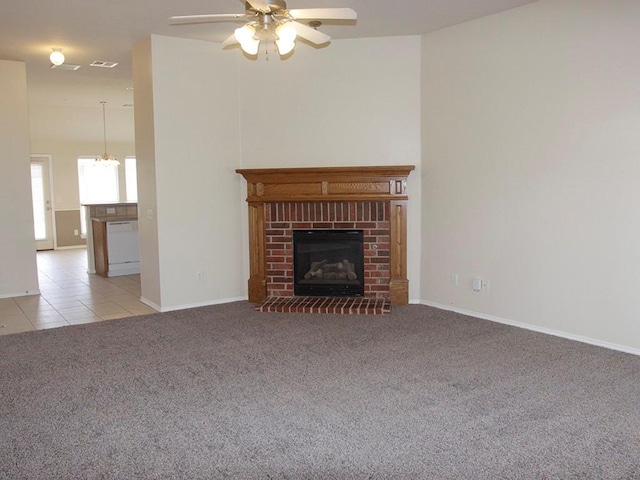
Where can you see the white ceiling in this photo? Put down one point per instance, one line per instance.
(89, 30)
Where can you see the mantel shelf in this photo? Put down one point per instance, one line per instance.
(327, 183)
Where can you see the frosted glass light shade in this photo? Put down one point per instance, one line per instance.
(251, 46)
(244, 34)
(245, 37)
(285, 47)
(286, 32)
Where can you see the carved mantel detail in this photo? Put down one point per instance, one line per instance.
(329, 184)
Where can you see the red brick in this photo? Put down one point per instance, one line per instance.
(365, 225)
(321, 225)
(281, 279)
(277, 266)
(279, 225)
(344, 225)
(281, 239)
(379, 260)
(325, 211)
(378, 274)
(379, 288)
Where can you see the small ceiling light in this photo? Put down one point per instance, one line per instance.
(57, 57)
(106, 159)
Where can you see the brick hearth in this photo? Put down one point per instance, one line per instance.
(339, 305)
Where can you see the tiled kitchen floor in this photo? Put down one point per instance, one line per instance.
(69, 295)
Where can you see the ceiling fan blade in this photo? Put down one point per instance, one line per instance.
(308, 33)
(213, 17)
(324, 14)
(260, 5)
(232, 40)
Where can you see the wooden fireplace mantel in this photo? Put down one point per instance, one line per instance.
(329, 184)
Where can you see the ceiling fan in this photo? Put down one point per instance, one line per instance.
(270, 19)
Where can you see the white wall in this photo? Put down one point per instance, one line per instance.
(146, 173)
(195, 150)
(356, 102)
(18, 275)
(531, 167)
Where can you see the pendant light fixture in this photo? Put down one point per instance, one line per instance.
(106, 159)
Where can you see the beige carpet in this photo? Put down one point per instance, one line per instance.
(227, 392)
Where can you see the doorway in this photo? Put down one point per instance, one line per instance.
(42, 206)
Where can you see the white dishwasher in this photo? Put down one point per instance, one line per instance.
(122, 248)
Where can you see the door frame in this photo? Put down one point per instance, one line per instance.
(48, 161)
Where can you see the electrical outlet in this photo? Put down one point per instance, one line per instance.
(199, 276)
(455, 279)
(76, 233)
(479, 284)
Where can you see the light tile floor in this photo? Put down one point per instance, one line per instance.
(69, 295)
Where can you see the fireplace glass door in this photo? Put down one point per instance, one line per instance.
(328, 263)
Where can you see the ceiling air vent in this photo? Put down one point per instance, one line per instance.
(66, 66)
(103, 64)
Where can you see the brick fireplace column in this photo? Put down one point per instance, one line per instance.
(386, 184)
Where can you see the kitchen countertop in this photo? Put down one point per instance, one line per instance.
(114, 219)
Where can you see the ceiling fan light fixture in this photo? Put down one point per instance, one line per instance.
(270, 21)
(56, 57)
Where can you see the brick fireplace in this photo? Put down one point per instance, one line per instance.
(283, 217)
(370, 199)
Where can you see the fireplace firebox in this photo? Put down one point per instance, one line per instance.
(328, 263)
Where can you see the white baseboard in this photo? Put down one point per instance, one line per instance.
(72, 247)
(535, 328)
(173, 308)
(20, 294)
(149, 303)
